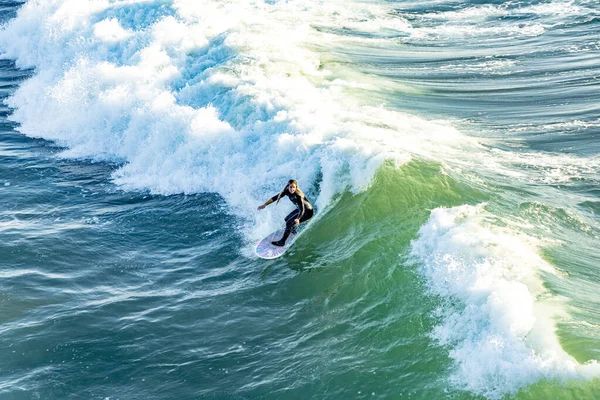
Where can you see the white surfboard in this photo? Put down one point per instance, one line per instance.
(265, 249)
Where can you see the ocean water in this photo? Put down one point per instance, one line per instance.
(451, 148)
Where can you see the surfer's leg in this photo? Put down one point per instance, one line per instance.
(307, 215)
(289, 221)
(281, 242)
(289, 227)
(291, 216)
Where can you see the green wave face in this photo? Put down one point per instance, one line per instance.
(484, 279)
(382, 220)
(366, 304)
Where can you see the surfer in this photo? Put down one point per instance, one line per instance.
(303, 211)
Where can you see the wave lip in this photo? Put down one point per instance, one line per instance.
(496, 318)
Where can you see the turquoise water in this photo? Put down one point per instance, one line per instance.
(451, 149)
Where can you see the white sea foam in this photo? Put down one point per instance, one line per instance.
(475, 13)
(203, 95)
(489, 22)
(494, 67)
(549, 168)
(489, 33)
(499, 331)
(484, 12)
(207, 96)
(562, 8)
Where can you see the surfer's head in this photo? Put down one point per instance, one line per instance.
(292, 186)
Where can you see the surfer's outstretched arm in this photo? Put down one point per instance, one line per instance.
(271, 200)
(266, 204)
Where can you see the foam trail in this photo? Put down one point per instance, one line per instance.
(499, 334)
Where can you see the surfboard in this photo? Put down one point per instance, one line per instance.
(268, 251)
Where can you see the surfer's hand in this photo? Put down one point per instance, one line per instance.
(261, 207)
(297, 221)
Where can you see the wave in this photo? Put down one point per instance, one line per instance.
(497, 317)
(237, 97)
(203, 96)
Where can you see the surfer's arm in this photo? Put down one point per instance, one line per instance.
(301, 211)
(271, 200)
(274, 199)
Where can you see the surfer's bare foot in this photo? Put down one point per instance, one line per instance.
(278, 243)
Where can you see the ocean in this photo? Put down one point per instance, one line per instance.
(450, 147)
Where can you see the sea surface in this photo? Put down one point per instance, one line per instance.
(451, 148)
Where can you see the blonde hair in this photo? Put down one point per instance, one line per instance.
(290, 182)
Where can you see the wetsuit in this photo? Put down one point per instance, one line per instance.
(303, 212)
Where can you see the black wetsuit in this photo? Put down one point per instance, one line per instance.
(303, 212)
